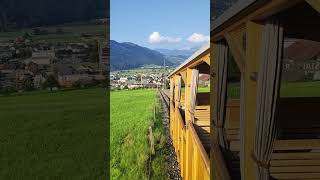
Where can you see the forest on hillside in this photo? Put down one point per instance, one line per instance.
(32, 13)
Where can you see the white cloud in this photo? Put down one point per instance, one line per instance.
(197, 38)
(156, 37)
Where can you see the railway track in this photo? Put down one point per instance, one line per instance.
(173, 165)
(165, 97)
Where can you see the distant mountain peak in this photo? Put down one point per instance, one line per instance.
(128, 55)
(177, 56)
(178, 52)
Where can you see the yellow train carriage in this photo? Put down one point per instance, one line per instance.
(265, 90)
(190, 116)
(260, 119)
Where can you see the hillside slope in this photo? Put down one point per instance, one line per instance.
(129, 55)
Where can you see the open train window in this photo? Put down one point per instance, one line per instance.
(204, 83)
(172, 92)
(300, 68)
(300, 76)
(203, 91)
(233, 79)
(182, 93)
(182, 101)
(232, 114)
(298, 102)
(299, 97)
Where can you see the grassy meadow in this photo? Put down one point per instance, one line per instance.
(287, 89)
(59, 135)
(300, 89)
(131, 114)
(203, 89)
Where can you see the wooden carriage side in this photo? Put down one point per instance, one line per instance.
(269, 41)
(190, 116)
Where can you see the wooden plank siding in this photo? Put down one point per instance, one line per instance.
(191, 141)
(196, 142)
(293, 157)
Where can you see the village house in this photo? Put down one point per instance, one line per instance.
(123, 80)
(68, 80)
(43, 57)
(301, 61)
(204, 80)
(69, 75)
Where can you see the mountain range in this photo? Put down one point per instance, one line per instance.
(177, 56)
(128, 55)
(178, 52)
(34, 13)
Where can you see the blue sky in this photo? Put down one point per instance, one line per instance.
(170, 24)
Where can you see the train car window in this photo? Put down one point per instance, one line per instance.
(300, 68)
(204, 83)
(297, 110)
(300, 76)
(233, 80)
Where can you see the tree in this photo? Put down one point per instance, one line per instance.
(51, 82)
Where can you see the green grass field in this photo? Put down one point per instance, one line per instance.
(131, 113)
(288, 89)
(300, 89)
(203, 89)
(60, 135)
